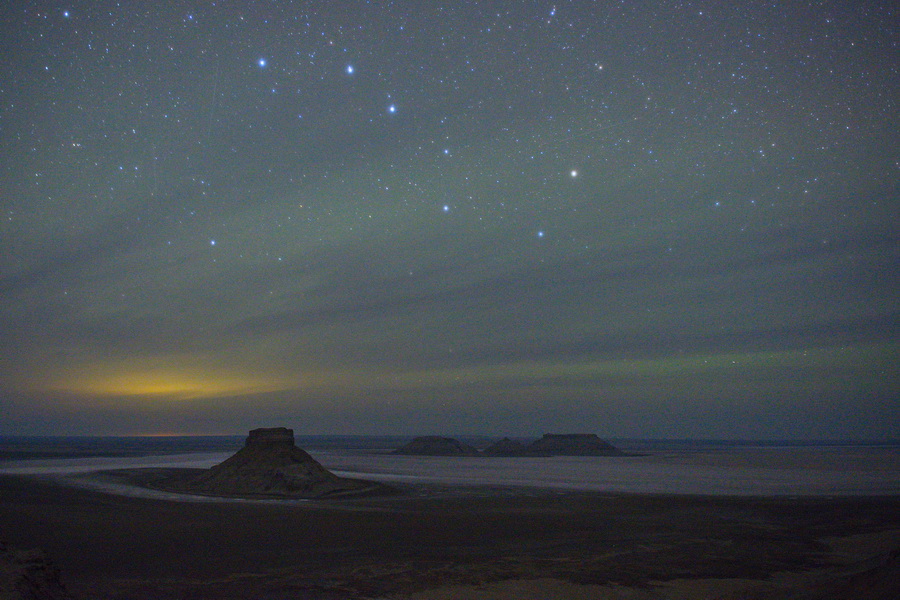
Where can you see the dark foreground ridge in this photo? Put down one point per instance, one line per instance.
(269, 465)
(487, 543)
(552, 444)
(29, 574)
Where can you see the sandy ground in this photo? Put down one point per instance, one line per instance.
(437, 541)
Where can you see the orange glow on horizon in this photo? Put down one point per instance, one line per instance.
(164, 381)
(176, 386)
(189, 378)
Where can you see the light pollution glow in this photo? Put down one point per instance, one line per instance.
(129, 379)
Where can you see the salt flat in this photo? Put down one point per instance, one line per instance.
(770, 471)
(843, 471)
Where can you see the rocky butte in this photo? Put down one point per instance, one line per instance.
(270, 465)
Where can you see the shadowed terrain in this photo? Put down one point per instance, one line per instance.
(432, 540)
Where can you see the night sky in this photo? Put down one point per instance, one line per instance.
(637, 219)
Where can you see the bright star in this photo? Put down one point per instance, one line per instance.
(540, 234)
(66, 14)
(574, 173)
(392, 108)
(349, 69)
(262, 63)
(212, 242)
(446, 208)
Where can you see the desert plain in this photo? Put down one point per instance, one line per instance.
(438, 541)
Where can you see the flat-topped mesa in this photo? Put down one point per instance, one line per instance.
(271, 435)
(571, 444)
(433, 445)
(270, 464)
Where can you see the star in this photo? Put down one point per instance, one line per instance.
(199, 120)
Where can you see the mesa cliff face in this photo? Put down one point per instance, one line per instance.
(270, 464)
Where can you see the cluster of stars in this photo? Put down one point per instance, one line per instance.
(555, 182)
(707, 119)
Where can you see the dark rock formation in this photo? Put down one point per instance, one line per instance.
(432, 445)
(270, 464)
(571, 444)
(29, 575)
(505, 447)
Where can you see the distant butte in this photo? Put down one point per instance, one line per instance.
(432, 445)
(571, 444)
(505, 447)
(551, 444)
(270, 465)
